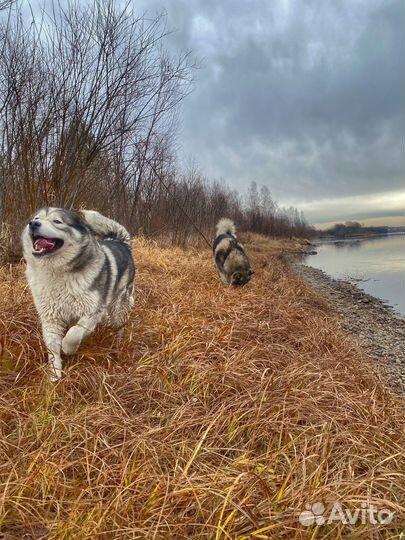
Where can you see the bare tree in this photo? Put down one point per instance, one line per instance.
(6, 4)
(87, 93)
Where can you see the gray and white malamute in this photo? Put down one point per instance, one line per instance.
(230, 257)
(81, 273)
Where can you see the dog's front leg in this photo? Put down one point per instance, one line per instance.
(78, 332)
(224, 278)
(53, 335)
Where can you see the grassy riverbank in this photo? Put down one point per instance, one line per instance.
(222, 414)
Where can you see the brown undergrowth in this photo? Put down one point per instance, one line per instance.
(221, 414)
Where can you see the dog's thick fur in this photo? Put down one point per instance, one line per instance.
(87, 278)
(230, 257)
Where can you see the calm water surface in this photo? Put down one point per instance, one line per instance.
(375, 265)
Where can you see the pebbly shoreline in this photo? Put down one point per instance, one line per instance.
(377, 327)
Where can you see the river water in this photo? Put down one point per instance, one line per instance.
(376, 265)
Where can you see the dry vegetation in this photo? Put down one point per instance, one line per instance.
(221, 414)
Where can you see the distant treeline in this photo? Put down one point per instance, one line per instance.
(167, 212)
(88, 101)
(353, 228)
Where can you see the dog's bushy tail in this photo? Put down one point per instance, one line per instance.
(106, 227)
(226, 226)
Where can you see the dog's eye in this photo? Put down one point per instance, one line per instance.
(57, 221)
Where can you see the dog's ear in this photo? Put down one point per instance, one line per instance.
(81, 221)
(81, 214)
(235, 277)
(91, 218)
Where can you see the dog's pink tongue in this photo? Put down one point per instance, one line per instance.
(43, 243)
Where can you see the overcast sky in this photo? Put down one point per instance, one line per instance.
(305, 96)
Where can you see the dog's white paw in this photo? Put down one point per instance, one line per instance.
(55, 376)
(71, 341)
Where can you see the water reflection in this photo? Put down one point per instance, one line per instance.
(377, 265)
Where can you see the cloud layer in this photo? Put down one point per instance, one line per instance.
(305, 97)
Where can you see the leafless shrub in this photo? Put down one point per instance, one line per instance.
(87, 93)
(9, 249)
(188, 203)
(6, 4)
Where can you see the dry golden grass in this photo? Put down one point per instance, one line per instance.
(221, 414)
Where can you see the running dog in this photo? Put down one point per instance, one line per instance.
(81, 273)
(230, 257)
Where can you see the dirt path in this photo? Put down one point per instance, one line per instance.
(377, 327)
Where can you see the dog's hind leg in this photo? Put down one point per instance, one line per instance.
(74, 336)
(53, 335)
(122, 308)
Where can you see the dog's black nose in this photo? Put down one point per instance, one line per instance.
(34, 224)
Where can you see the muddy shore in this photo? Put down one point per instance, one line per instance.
(379, 329)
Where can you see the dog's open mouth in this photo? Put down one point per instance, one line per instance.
(43, 246)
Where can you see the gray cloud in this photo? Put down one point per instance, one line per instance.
(305, 97)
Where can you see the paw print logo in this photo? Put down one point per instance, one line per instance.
(313, 514)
